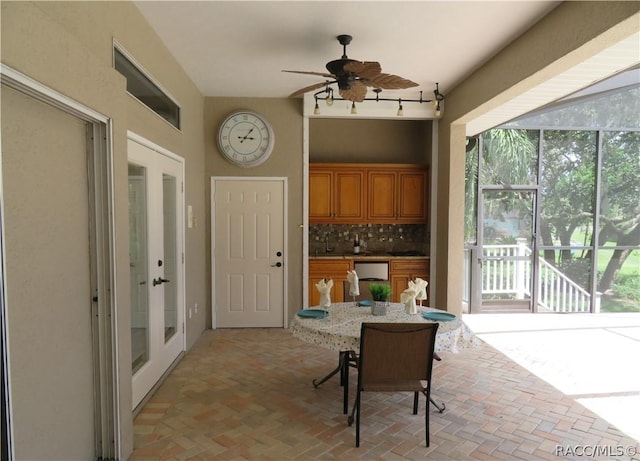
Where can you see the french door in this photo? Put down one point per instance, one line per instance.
(506, 237)
(156, 264)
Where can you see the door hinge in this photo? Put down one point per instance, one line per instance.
(182, 258)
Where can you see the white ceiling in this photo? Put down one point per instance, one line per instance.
(239, 48)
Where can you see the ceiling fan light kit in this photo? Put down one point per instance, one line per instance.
(353, 77)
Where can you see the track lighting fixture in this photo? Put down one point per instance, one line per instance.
(326, 94)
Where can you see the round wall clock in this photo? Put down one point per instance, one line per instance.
(245, 138)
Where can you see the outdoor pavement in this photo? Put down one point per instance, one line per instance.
(592, 358)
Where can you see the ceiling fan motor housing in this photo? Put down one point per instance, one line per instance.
(344, 78)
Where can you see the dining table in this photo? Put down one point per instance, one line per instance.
(338, 327)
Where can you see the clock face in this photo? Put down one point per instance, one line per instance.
(245, 139)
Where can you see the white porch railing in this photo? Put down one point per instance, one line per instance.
(502, 275)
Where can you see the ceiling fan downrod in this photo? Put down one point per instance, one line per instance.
(344, 40)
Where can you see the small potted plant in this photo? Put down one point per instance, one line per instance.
(380, 292)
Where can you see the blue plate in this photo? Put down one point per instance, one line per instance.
(365, 303)
(312, 313)
(438, 316)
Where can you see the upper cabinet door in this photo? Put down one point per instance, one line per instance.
(381, 201)
(412, 196)
(349, 195)
(336, 195)
(320, 195)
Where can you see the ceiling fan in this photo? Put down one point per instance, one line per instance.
(353, 77)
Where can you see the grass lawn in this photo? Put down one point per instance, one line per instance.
(631, 264)
(630, 270)
(629, 299)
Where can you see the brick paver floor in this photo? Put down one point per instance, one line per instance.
(247, 394)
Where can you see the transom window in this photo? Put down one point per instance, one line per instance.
(143, 88)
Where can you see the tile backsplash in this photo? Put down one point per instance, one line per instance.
(375, 238)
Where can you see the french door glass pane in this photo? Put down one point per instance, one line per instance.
(169, 194)
(138, 266)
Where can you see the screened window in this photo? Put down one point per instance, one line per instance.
(580, 159)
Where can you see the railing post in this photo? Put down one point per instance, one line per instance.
(521, 273)
(596, 306)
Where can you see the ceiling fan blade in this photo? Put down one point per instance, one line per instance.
(389, 82)
(315, 86)
(319, 74)
(366, 69)
(356, 93)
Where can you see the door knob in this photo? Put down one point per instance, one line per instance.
(159, 281)
(276, 265)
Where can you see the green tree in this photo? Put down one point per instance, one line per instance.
(567, 196)
(620, 199)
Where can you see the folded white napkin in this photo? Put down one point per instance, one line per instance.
(408, 298)
(324, 288)
(421, 285)
(354, 286)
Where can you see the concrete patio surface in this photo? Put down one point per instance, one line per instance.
(592, 358)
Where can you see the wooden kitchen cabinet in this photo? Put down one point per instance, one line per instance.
(397, 195)
(335, 269)
(368, 192)
(403, 270)
(336, 194)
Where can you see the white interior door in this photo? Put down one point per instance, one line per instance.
(248, 258)
(156, 264)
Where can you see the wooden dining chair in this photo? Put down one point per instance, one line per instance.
(395, 357)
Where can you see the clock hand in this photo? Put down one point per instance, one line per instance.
(246, 136)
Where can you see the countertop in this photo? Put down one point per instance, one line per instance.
(366, 256)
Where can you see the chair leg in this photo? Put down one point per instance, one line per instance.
(356, 412)
(358, 419)
(353, 411)
(345, 388)
(415, 403)
(426, 418)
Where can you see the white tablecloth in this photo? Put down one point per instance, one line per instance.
(340, 330)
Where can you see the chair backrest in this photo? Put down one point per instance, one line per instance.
(363, 287)
(396, 353)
